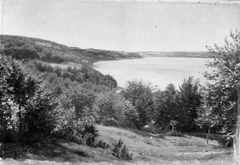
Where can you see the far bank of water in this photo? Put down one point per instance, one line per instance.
(159, 71)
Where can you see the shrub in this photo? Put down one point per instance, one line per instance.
(114, 110)
(90, 135)
(81, 130)
(175, 133)
(226, 141)
(121, 151)
(102, 144)
(150, 128)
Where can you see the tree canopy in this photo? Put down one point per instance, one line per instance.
(223, 91)
(141, 97)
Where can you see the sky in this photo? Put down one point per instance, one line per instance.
(122, 25)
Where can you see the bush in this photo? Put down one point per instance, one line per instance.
(81, 130)
(226, 141)
(121, 151)
(102, 144)
(175, 133)
(90, 135)
(114, 110)
(150, 128)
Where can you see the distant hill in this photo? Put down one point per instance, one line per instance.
(103, 55)
(33, 48)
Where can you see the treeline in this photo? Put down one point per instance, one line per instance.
(55, 77)
(161, 107)
(102, 55)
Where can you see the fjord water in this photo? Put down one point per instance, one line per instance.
(159, 71)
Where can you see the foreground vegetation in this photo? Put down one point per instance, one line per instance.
(146, 148)
(42, 107)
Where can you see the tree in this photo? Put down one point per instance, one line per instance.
(109, 110)
(189, 101)
(141, 97)
(221, 105)
(166, 108)
(20, 89)
(110, 81)
(206, 118)
(5, 111)
(40, 116)
(227, 76)
(81, 100)
(115, 110)
(25, 108)
(77, 121)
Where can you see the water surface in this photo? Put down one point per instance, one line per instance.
(159, 71)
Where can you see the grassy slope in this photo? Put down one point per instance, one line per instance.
(66, 65)
(147, 148)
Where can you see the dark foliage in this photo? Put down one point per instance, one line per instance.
(189, 101)
(102, 144)
(90, 135)
(28, 111)
(121, 151)
(166, 107)
(181, 106)
(141, 97)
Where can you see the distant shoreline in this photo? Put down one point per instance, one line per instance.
(174, 56)
(196, 54)
(204, 55)
(166, 54)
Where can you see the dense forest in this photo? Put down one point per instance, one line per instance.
(39, 102)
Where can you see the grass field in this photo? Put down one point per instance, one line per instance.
(147, 148)
(65, 66)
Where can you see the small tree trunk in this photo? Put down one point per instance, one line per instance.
(237, 134)
(2, 141)
(209, 131)
(20, 121)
